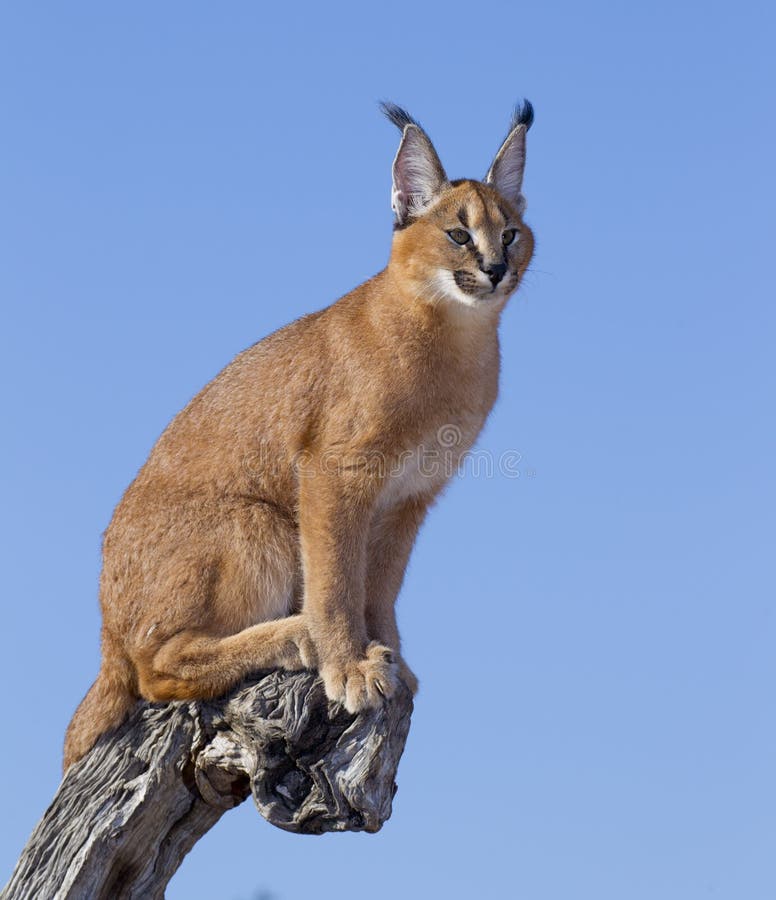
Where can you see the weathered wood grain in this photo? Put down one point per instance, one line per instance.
(125, 816)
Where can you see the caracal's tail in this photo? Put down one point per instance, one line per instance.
(105, 706)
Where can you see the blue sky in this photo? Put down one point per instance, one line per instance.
(180, 179)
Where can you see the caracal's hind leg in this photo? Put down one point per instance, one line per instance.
(195, 665)
(209, 600)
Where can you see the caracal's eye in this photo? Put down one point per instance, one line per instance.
(508, 236)
(460, 235)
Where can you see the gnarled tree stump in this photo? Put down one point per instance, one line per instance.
(126, 815)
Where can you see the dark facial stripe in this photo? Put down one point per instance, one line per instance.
(463, 218)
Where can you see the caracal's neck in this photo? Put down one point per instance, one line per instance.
(410, 299)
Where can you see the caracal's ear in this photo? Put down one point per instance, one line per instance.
(418, 175)
(506, 171)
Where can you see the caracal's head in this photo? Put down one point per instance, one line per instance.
(459, 242)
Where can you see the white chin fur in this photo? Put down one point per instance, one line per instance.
(444, 285)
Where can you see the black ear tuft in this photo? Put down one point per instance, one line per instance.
(417, 173)
(400, 117)
(506, 171)
(523, 115)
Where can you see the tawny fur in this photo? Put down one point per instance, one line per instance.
(272, 523)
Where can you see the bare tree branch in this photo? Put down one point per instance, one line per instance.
(126, 815)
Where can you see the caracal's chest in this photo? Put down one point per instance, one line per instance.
(423, 468)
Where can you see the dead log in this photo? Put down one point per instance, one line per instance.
(125, 816)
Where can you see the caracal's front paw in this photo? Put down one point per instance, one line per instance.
(362, 683)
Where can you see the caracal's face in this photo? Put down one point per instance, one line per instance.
(470, 247)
